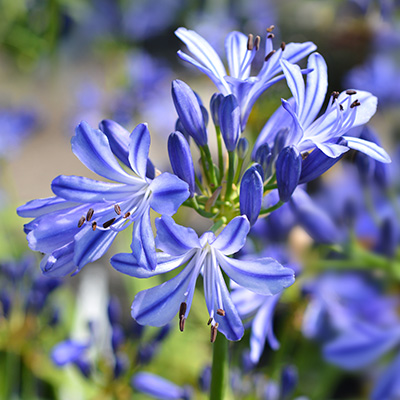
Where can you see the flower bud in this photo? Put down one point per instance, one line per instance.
(251, 193)
(263, 157)
(189, 111)
(242, 148)
(229, 120)
(181, 159)
(215, 104)
(288, 169)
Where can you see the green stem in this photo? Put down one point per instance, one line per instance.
(231, 172)
(210, 165)
(238, 171)
(273, 208)
(198, 183)
(270, 187)
(220, 155)
(219, 371)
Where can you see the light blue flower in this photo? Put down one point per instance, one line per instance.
(240, 51)
(79, 224)
(346, 110)
(205, 255)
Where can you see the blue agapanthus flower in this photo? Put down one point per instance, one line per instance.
(306, 129)
(79, 224)
(206, 255)
(240, 52)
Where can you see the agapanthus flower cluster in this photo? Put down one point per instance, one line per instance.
(298, 143)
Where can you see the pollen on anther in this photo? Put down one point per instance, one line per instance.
(221, 312)
(270, 36)
(209, 321)
(108, 223)
(182, 323)
(117, 209)
(283, 46)
(271, 28)
(250, 42)
(214, 331)
(350, 92)
(257, 42)
(269, 55)
(355, 103)
(94, 225)
(89, 214)
(127, 214)
(81, 221)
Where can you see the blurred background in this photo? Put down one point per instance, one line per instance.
(64, 61)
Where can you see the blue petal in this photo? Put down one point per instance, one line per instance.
(181, 161)
(85, 190)
(93, 150)
(157, 387)
(296, 85)
(127, 264)
(118, 138)
(263, 275)
(233, 236)
(39, 207)
(359, 348)
(288, 169)
(68, 351)
(229, 119)
(332, 149)
(139, 145)
(388, 385)
(296, 132)
(158, 305)
(369, 148)
(90, 246)
(251, 193)
(317, 85)
(261, 328)
(168, 193)
(60, 262)
(175, 239)
(236, 49)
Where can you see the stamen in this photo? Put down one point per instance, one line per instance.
(355, 103)
(127, 214)
(250, 42)
(182, 319)
(305, 155)
(221, 312)
(209, 321)
(350, 92)
(81, 221)
(257, 42)
(107, 224)
(341, 107)
(89, 214)
(283, 46)
(214, 331)
(270, 36)
(94, 225)
(271, 28)
(269, 55)
(117, 209)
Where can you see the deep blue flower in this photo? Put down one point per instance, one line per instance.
(206, 255)
(241, 51)
(346, 110)
(288, 170)
(160, 388)
(229, 121)
(79, 224)
(251, 193)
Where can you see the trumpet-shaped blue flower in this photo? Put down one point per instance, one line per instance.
(240, 51)
(346, 110)
(205, 255)
(79, 224)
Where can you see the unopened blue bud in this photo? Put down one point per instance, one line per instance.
(205, 115)
(289, 379)
(180, 128)
(280, 141)
(288, 169)
(387, 243)
(117, 337)
(189, 111)
(229, 120)
(114, 311)
(181, 159)
(263, 157)
(251, 193)
(215, 104)
(242, 148)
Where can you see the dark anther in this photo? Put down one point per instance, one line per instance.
(214, 331)
(209, 321)
(270, 36)
(221, 312)
(271, 28)
(355, 103)
(341, 107)
(350, 92)
(335, 95)
(182, 324)
(182, 319)
(127, 214)
(250, 42)
(89, 214)
(283, 46)
(257, 42)
(117, 209)
(81, 221)
(94, 225)
(305, 155)
(108, 223)
(269, 55)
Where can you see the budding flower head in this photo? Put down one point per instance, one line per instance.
(242, 148)
(288, 170)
